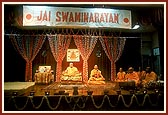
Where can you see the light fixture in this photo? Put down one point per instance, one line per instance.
(89, 92)
(106, 92)
(61, 92)
(136, 26)
(156, 90)
(32, 93)
(47, 93)
(75, 92)
(15, 93)
(145, 91)
(132, 92)
(118, 92)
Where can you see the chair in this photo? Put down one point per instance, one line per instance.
(44, 74)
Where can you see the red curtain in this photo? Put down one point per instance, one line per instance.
(113, 48)
(28, 46)
(85, 44)
(59, 45)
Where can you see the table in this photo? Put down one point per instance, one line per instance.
(44, 77)
(126, 84)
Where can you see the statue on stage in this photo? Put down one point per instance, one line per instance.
(120, 75)
(96, 77)
(71, 73)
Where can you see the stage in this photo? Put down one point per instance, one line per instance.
(20, 87)
(84, 97)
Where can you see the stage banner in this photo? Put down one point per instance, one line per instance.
(76, 17)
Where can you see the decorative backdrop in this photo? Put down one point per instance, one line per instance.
(28, 46)
(59, 45)
(85, 44)
(113, 48)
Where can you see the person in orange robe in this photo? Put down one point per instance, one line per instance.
(96, 77)
(120, 75)
(141, 73)
(150, 76)
(132, 76)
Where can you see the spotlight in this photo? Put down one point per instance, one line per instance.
(131, 91)
(32, 93)
(61, 92)
(56, 94)
(47, 93)
(15, 93)
(106, 92)
(118, 92)
(89, 93)
(156, 90)
(75, 92)
(145, 91)
(136, 26)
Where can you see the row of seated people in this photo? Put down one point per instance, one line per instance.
(141, 78)
(72, 74)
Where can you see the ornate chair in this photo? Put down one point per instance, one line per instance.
(44, 74)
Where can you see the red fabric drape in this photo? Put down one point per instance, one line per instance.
(28, 47)
(85, 44)
(113, 48)
(59, 45)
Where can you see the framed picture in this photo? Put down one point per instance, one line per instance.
(73, 55)
(44, 69)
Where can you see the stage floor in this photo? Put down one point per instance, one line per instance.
(20, 87)
(82, 88)
(68, 88)
(24, 88)
(104, 97)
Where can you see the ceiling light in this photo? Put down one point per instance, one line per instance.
(136, 26)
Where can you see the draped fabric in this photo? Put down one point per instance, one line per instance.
(59, 45)
(85, 44)
(158, 16)
(113, 48)
(28, 47)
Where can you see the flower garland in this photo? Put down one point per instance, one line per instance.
(22, 108)
(36, 107)
(28, 47)
(76, 99)
(53, 108)
(59, 45)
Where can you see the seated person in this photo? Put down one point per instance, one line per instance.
(71, 73)
(120, 75)
(96, 77)
(141, 74)
(132, 76)
(150, 76)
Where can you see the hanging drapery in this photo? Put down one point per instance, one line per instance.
(59, 45)
(85, 44)
(28, 46)
(113, 48)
